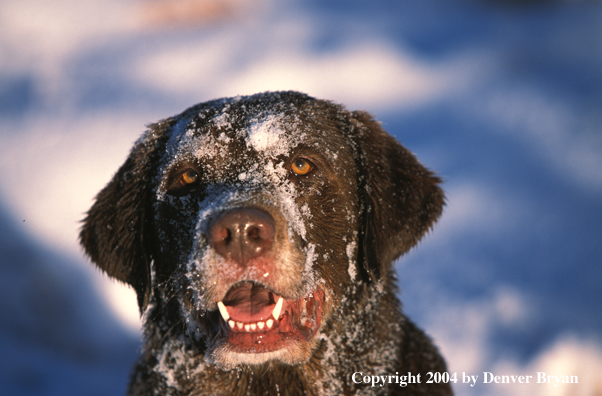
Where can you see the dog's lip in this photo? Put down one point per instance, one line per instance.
(274, 325)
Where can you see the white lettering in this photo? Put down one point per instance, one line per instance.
(469, 379)
(541, 377)
(487, 377)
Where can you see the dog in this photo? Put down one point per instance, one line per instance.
(259, 233)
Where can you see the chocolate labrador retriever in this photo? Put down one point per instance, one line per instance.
(258, 233)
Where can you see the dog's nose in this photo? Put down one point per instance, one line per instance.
(242, 234)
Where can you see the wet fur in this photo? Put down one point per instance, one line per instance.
(394, 200)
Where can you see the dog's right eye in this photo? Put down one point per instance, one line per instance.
(184, 182)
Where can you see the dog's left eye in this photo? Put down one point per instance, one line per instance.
(301, 166)
(188, 177)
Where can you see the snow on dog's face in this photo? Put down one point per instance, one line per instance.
(253, 227)
(244, 205)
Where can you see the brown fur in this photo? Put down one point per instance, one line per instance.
(336, 230)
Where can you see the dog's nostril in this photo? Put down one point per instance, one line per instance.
(262, 230)
(253, 233)
(221, 234)
(242, 234)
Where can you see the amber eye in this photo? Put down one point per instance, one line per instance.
(188, 177)
(301, 166)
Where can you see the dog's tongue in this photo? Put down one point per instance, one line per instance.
(249, 303)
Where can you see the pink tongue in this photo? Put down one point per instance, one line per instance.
(249, 303)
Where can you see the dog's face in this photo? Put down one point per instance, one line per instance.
(257, 218)
(245, 201)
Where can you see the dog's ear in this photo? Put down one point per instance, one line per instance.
(401, 198)
(115, 231)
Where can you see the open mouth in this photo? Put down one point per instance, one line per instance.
(258, 320)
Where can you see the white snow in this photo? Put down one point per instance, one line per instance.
(266, 135)
(351, 250)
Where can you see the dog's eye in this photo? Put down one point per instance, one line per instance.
(184, 181)
(301, 166)
(188, 177)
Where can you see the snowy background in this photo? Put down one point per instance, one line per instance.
(502, 98)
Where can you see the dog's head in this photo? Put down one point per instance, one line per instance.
(257, 217)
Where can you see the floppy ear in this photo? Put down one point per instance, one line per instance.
(115, 229)
(401, 198)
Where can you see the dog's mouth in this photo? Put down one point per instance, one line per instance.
(257, 320)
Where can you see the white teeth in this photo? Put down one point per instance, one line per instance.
(251, 326)
(277, 308)
(223, 310)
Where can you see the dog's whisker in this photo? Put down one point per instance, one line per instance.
(171, 286)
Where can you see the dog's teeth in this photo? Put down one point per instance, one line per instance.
(247, 327)
(239, 325)
(260, 325)
(269, 323)
(253, 326)
(231, 323)
(278, 308)
(223, 310)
